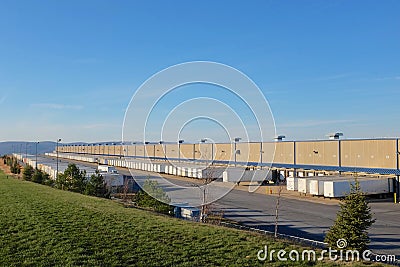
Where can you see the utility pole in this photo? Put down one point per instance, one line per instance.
(36, 155)
(58, 140)
(179, 149)
(236, 140)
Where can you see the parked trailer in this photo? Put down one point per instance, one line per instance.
(236, 175)
(369, 186)
(210, 173)
(292, 183)
(106, 168)
(316, 184)
(304, 183)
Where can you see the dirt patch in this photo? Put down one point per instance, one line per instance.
(6, 169)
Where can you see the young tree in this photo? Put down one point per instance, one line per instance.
(37, 176)
(47, 180)
(352, 222)
(96, 186)
(72, 179)
(27, 173)
(153, 196)
(15, 167)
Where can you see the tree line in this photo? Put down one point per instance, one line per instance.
(12, 162)
(73, 179)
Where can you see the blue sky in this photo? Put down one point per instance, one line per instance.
(69, 68)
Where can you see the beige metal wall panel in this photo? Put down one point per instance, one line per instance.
(158, 151)
(323, 153)
(223, 152)
(151, 150)
(118, 150)
(203, 151)
(268, 150)
(197, 152)
(397, 154)
(248, 152)
(255, 152)
(111, 150)
(369, 154)
(124, 150)
(172, 151)
(187, 151)
(130, 151)
(284, 152)
(140, 150)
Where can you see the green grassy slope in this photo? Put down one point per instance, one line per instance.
(42, 226)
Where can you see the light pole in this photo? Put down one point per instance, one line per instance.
(163, 148)
(36, 144)
(179, 149)
(134, 143)
(236, 140)
(58, 140)
(204, 158)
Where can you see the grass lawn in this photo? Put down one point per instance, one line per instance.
(42, 226)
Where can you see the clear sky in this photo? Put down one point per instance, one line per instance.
(69, 68)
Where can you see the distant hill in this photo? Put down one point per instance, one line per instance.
(18, 147)
(43, 147)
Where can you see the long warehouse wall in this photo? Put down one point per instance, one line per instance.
(364, 154)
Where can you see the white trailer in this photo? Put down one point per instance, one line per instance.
(369, 186)
(236, 175)
(317, 183)
(210, 173)
(106, 168)
(292, 183)
(302, 185)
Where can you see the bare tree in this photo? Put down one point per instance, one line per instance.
(277, 208)
(210, 175)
